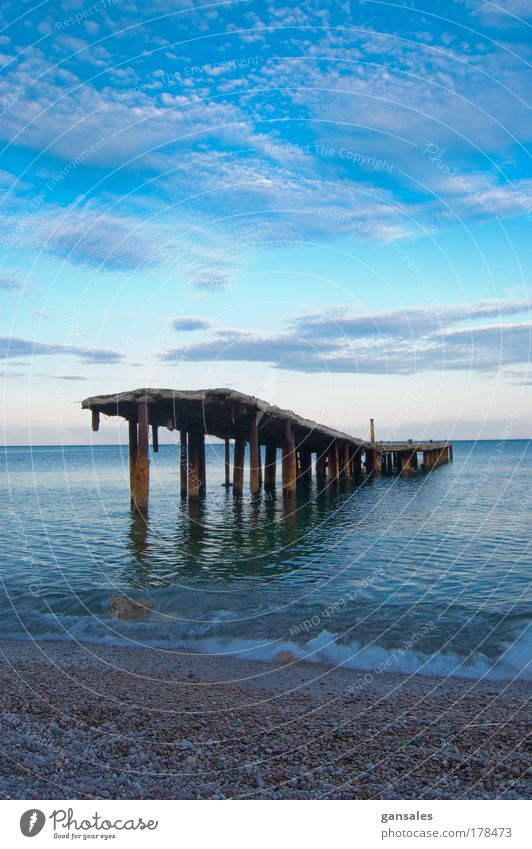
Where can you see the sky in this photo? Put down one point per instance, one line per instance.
(327, 205)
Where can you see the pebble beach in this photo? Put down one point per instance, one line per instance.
(107, 722)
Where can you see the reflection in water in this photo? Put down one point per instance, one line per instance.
(251, 536)
(138, 534)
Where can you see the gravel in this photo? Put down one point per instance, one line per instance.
(92, 721)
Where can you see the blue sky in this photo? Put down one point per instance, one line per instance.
(328, 206)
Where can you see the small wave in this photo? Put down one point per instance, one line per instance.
(512, 661)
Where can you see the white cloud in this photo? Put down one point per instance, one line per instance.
(401, 342)
(9, 283)
(14, 347)
(190, 322)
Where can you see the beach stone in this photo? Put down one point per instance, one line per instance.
(123, 607)
(284, 657)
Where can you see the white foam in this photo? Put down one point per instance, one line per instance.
(513, 662)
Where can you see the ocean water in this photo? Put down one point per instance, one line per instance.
(428, 573)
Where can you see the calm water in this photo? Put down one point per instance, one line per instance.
(428, 573)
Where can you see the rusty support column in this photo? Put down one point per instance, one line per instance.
(142, 471)
(270, 469)
(451, 453)
(238, 465)
(289, 460)
(306, 464)
(95, 420)
(202, 466)
(405, 461)
(357, 463)
(132, 427)
(183, 464)
(346, 462)
(373, 463)
(227, 465)
(320, 463)
(333, 464)
(254, 456)
(155, 438)
(194, 472)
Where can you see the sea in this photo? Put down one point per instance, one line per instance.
(427, 573)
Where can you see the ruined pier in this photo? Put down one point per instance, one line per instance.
(306, 447)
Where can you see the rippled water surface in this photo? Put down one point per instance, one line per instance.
(429, 572)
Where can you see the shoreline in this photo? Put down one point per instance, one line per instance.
(84, 720)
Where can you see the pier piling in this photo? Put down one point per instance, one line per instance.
(142, 466)
(194, 465)
(238, 465)
(270, 468)
(346, 462)
(254, 457)
(289, 460)
(183, 464)
(132, 429)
